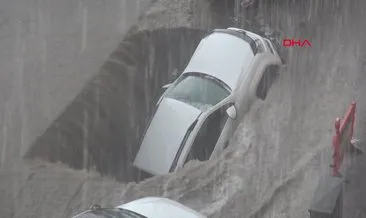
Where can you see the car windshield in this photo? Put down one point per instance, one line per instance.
(109, 213)
(199, 90)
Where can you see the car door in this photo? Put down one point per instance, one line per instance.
(229, 125)
(210, 134)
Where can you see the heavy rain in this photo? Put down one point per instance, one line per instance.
(80, 81)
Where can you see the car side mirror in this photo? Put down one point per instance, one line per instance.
(231, 112)
(166, 86)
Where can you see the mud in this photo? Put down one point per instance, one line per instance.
(278, 153)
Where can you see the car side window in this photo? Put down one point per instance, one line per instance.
(208, 135)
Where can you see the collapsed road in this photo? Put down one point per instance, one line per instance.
(277, 154)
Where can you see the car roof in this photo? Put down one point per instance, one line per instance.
(161, 207)
(223, 55)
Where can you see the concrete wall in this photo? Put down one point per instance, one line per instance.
(48, 50)
(102, 127)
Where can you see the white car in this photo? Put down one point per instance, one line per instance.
(198, 113)
(149, 207)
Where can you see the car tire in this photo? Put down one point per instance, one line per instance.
(268, 78)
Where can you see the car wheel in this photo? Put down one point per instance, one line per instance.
(268, 78)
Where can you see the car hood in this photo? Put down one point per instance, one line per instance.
(154, 207)
(164, 136)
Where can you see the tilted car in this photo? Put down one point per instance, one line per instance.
(149, 207)
(198, 113)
